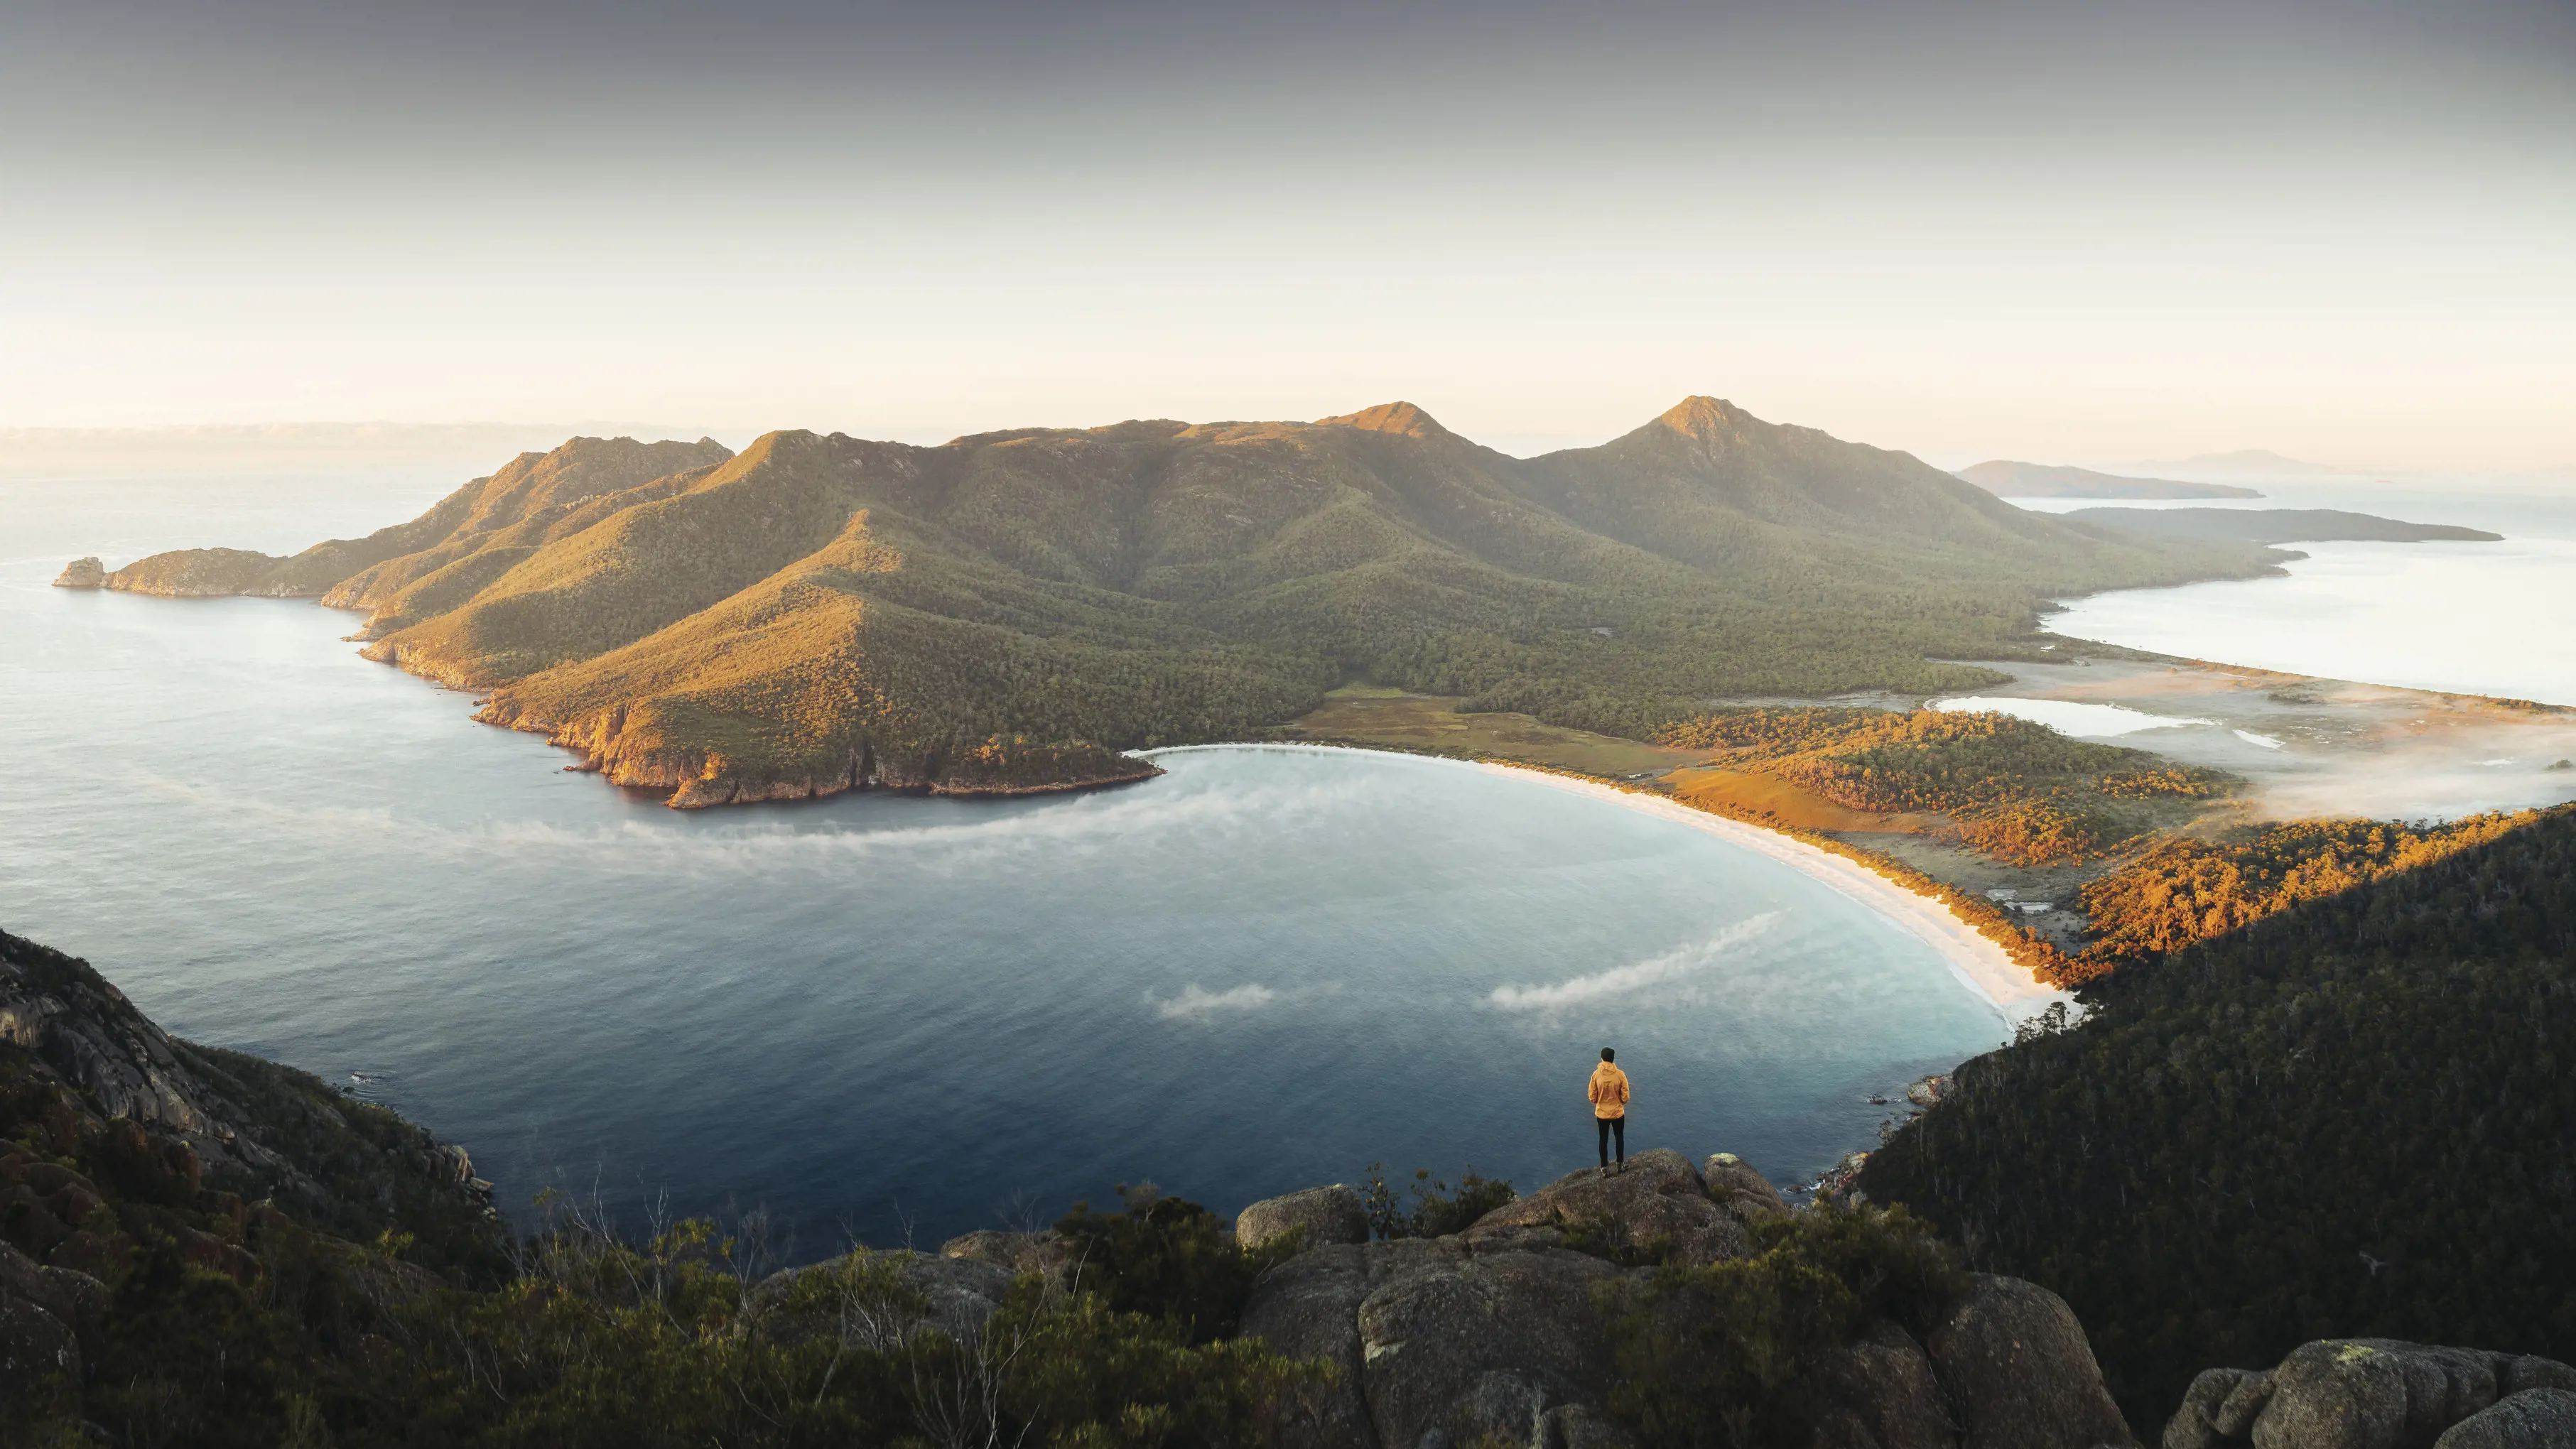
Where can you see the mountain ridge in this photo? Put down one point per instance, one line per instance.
(1018, 609)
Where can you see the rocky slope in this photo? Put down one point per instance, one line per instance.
(100, 1110)
(1015, 610)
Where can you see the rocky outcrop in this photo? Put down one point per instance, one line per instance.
(2378, 1393)
(1043, 1252)
(1882, 1393)
(1500, 1334)
(1734, 1184)
(82, 573)
(1440, 1336)
(878, 1301)
(2532, 1419)
(2015, 1362)
(1318, 1217)
(216, 1119)
(49, 1317)
(1657, 1208)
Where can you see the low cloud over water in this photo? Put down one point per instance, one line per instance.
(1658, 970)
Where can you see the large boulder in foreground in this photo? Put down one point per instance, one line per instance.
(1434, 1339)
(1657, 1208)
(1480, 1345)
(1319, 1217)
(2016, 1364)
(2532, 1419)
(2375, 1393)
(1308, 1307)
(1498, 1335)
(1881, 1393)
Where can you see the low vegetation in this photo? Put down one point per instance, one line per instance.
(2325, 1096)
(2017, 791)
(1727, 1355)
(1429, 1208)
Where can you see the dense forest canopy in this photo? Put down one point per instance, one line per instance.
(818, 612)
(2350, 1117)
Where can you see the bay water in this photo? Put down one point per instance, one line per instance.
(2464, 618)
(890, 1018)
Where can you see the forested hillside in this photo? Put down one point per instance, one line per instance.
(820, 613)
(2350, 1117)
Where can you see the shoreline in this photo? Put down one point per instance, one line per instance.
(1976, 962)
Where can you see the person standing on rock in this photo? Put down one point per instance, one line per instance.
(1610, 1107)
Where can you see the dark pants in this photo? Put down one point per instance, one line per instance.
(1612, 1127)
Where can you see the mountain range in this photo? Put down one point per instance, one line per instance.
(1012, 610)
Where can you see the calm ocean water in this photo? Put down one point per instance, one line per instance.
(2470, 618)
(882, 1016)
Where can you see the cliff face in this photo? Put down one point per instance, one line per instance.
(1013, 610)
(85, 1075)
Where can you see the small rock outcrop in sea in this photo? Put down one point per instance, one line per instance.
(1499, 1334)
(82, 573)
(2381, 1393)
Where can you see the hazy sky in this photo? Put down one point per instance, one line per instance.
(2066, 232)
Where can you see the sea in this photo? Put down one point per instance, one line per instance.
(2464, 618)
(886, 1018)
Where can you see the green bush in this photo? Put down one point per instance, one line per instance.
(1163, 1257)
(1725, 1355)
(1435, 1212)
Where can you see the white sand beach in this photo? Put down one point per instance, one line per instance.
(1976, 961)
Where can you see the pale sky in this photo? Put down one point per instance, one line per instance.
(2059, 232)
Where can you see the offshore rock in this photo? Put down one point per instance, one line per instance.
(82, 573)
(1322, 1216)
(2015, 1361)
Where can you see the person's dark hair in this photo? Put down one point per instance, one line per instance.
(1608, 1055)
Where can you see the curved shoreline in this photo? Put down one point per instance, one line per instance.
(1978, 964)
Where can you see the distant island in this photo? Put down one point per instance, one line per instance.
(1015, 611)
(2040, 480)
(2253, 463)
(2278, 525)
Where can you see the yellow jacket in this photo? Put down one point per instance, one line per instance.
(1609, 1091)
